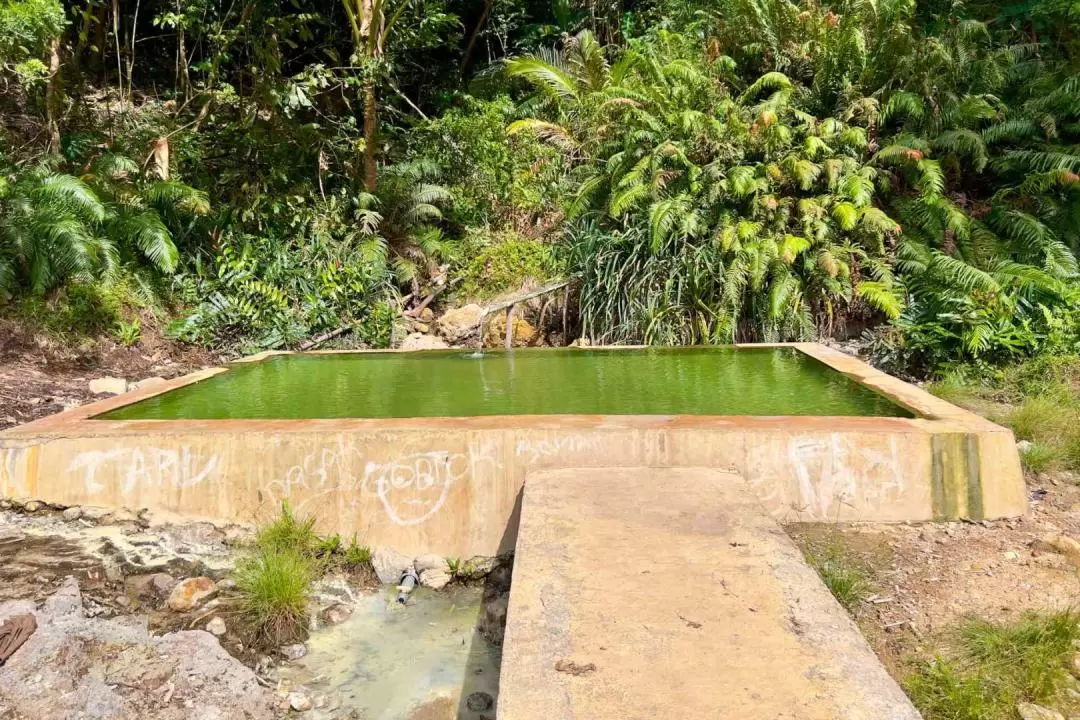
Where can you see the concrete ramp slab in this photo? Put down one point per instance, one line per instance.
(651, 593)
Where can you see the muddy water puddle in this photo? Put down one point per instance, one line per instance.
(425, 660)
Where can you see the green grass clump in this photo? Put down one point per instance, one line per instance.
(995, 666)
(847, 579)
(273, 588)
(1040, 458)
(1041, 419)
(289, 532)
(357, 556)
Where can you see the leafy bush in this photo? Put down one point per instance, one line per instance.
(500, 263)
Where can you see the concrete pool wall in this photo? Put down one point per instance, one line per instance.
(451, 485)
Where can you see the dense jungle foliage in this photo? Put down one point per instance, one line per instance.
(265, 171)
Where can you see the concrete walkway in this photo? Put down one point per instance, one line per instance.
(651, 594)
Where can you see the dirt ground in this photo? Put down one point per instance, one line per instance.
(40, 376)
(926, 577)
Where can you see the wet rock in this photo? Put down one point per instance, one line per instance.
(96, 514)
(1031, 711)
(108, 386)
(11, 535)
(79, 667)
(155, 587)
(293, 652)
(300, 701)
(435, 578)
(480, 566)
(389, 565)
(190, 593)
(1062, 544)
(522, 333)
(335, 614)
(196, 533)
(216, 627)
(72, 514)
(479, 702)
(492, 622)
(460, 323)
(422, 341)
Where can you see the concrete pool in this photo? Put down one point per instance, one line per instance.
(883, 450)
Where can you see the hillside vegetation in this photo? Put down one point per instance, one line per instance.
(261, 172)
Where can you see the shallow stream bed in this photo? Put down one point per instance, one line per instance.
(422, 661)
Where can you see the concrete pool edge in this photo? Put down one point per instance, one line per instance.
(450, 485)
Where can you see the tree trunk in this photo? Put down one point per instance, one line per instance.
(53, 91)
(370, 125)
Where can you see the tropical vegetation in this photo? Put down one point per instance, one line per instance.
(263, 173)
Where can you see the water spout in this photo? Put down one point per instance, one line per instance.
(408, 581)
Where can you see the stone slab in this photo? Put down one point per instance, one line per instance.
(669, 593)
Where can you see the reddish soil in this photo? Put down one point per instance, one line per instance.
(929, 576)
(40, 376)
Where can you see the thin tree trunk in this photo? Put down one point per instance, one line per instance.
(182, 75)
(370, 125)
(119, 62)
(53, 91)
(465, 61)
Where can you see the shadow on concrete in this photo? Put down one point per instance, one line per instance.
(479, 691)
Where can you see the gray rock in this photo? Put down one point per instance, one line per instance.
(293, 652)
(79, 667)
(336, 613)
(422, 341)
(430, 562)
(72, 514)
(299, 701)
(479, 702)
(216, 627)
(108, 386)
(435, 579)
(96, 514)
(492, 622)
(389, 564)
(1031, 711)
(479, 566)
(1023, 446)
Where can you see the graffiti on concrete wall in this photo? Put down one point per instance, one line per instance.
(833, 473)
(533, 449)
(177, 468)
(411, 488)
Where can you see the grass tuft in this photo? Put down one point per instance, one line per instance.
(847, 580)
(1040, 458)
(997, 665)
(289, 532)
(273, 588)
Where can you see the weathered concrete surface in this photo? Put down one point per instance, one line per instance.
(450, 485)
(648, 594)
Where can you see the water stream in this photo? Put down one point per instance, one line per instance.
(423, 661)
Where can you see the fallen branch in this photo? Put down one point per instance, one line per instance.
(324, 337)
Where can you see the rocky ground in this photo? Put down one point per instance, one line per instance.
(925, 578)
(137, 618)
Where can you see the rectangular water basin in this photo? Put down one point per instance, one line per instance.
(769, 381)
(428, 452)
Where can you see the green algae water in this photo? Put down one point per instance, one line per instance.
(661, 381)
